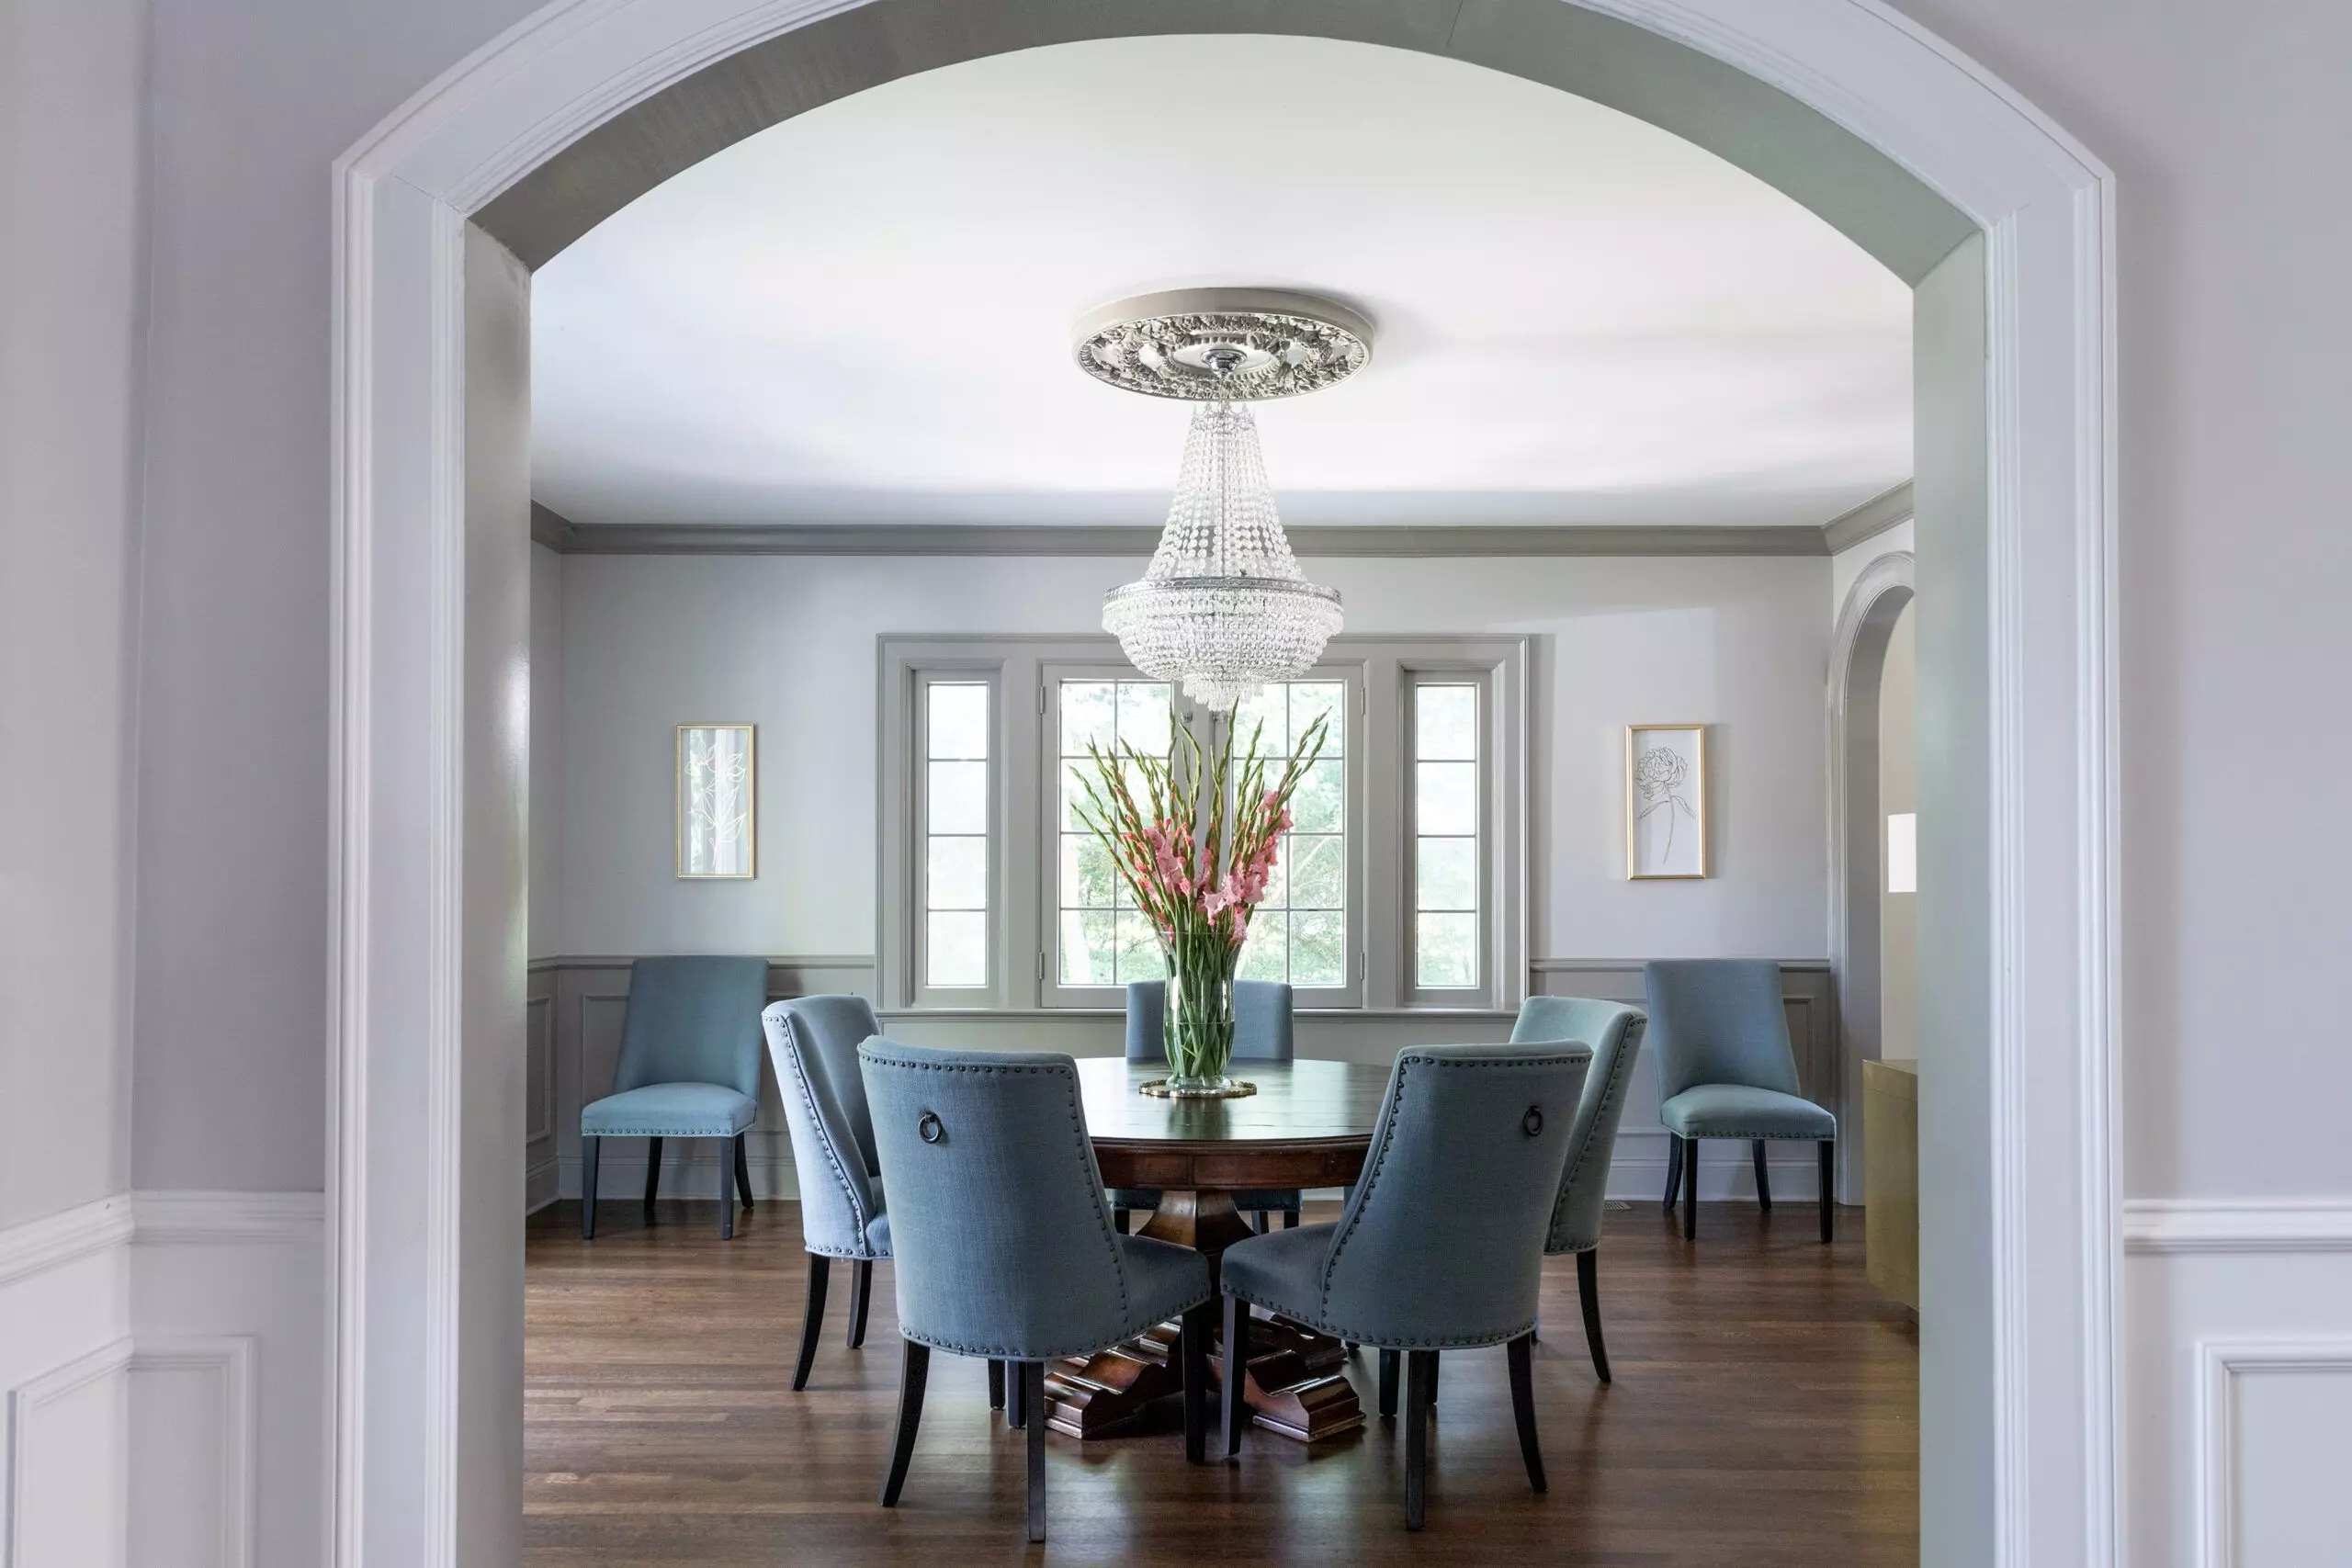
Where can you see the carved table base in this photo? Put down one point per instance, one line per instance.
(1295, 1385)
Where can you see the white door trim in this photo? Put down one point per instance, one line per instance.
(396, 948)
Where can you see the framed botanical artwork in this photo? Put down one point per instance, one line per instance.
(717, 800)
(1666, 801)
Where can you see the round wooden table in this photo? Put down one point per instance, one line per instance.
(1309, 1125)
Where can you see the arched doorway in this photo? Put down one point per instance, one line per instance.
(1903, 145)
(1866, 623)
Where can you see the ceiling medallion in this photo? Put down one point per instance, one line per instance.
(1223, 344)
(1223, 608)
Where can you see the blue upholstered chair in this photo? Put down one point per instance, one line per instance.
(689, 1068)
(1442, 1246)
(1725, 1070)
(1614, 1033)
(1002, 1243)
(1262, 1033)
(813, 1042)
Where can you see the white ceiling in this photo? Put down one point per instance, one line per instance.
(862, 314)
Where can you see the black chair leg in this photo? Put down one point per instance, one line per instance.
(588, 1151)
(1388, 1360)
(995, 1385)
(1290, 1219)
(1673, 1170)
(1016, 1397)
(912, 1374)
(1122, 1218)
(1520, 1352)
(1763, 1181)
(742, 1174)
(1588, 1291)
(1258, 1220)
(652, 1175)
(726, 1198)
(1434, 1364)
(1689, 1189)
(812, 1321)
(1197, 1329)
(860, 1288)
(1033, 1393)
(1237, 1365)
(1828, 1191)
(1420, 1372)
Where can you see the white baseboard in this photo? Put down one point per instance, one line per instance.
(164, 1377)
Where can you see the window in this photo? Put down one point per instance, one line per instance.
(1300, 933)
(1102, 939)
(1398, 885)
(1903, 852)
(954, 835)
(1446, 813)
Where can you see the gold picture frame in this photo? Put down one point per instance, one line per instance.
(1665, 802)
(718, 801)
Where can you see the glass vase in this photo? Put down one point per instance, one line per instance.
(1198, 1024)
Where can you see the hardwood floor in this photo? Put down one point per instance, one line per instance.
(1765, 1414)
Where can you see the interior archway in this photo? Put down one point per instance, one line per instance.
(1890, 136)
(1865, 623)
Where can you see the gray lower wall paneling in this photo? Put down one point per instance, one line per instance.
(576, 1006)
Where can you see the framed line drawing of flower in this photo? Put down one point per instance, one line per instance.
(718, 797)
(1666, 801)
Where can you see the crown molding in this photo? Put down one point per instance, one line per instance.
(1868, 520)
(557, 533)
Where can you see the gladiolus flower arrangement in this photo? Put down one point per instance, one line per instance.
(1195, 835)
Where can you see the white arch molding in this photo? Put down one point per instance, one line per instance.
(404, 945)
(1857, 658)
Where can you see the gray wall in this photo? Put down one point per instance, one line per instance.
(73, 294)
(651, 642)
(547, 755)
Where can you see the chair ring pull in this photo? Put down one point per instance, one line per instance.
(928, 1129)
(1533, 1122)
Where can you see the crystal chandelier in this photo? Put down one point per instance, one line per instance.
(1223, 607)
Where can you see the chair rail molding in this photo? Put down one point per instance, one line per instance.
(1878, 95)
(2244, 1224)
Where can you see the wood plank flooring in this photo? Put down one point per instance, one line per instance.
(1765, 1415)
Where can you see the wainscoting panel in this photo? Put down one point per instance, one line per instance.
(1809, 995)
(540, 1168)
(587, 1000)
(162, 1362)
(2237, 1383)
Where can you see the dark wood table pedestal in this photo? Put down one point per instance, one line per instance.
(1296, 1383)
(1309, 1128)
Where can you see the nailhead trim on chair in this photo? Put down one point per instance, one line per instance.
(1622, 1069)
(1371, 1179)
(1091, 1173)
(825, 1141)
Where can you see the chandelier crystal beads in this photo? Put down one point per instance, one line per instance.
(1223, 607)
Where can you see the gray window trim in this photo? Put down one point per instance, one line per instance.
(1023, 900)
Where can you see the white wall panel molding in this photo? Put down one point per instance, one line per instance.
(65, 1472)
(2244, 1224)
(57, 1239)
(2233, 1530)
(193, 1453)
